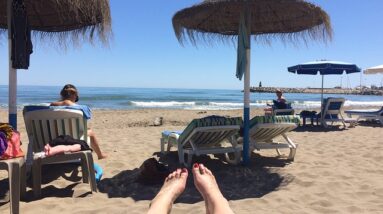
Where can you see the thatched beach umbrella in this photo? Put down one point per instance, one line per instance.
(64, 22)
(262, 19)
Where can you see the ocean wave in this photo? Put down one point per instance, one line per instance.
(155, 104)
(361, 103)
(306, 105)
(206, 105)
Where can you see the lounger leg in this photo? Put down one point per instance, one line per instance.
(181, 157)
(23, 179)
(36, 177)
(162, 145)
(235, 160)
(189, 160)
(14, 186)
(84, 169)
(91, 173)
(237, 154)
(168, 147)
(293, 147)
(278, 152)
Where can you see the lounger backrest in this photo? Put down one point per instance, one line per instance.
(210, 130)
(283, 111)
(332, 107)
(45, 125)
(264, 128)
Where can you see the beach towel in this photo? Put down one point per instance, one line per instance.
(20, 36)
(67, 140)
(84, 108)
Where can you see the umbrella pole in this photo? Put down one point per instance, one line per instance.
(321, 103)
(246, 85)
(12, 84)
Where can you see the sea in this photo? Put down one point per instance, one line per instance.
(167, 98)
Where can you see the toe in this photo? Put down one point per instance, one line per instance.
(184, 173)
(202, 169)
(195, 169)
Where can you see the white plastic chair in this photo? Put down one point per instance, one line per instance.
(17, 185)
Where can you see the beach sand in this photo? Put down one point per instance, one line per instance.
(335, 170)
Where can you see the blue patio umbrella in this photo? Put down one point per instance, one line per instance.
(324, 67)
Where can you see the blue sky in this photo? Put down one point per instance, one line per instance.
(145, 52)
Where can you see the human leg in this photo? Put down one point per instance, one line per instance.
(206, 184)
(173, 186)
(49, 151)
(94, 144)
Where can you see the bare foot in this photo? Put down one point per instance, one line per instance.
(206, 184)
(173, 186)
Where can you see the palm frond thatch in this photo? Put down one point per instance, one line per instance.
(65, 21)
(290, 20)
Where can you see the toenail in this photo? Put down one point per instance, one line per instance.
(195, 165)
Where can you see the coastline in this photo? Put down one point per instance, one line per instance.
(366, 91)
(323, 178)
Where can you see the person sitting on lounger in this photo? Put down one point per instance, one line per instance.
(279, 103)
(205, 183)
(69, 97)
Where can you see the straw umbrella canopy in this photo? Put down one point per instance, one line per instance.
(63, 22)
(263, 20)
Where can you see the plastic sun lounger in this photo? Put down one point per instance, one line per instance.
(332, 112)
(367, 114)
(204, 136)
(263, 130)
(46, 124)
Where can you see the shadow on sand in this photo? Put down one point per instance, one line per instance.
(236, 182)
(69, 173)
(374, 124)
(316, 128)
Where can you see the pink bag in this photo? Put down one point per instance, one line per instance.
(14, 147)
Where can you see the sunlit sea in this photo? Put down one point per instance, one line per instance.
(166, 98)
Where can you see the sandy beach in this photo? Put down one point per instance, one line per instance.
(335, 170)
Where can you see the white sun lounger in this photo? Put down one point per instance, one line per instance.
(367, 114)
(332, 112)
(264, 130)
(204, 136)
